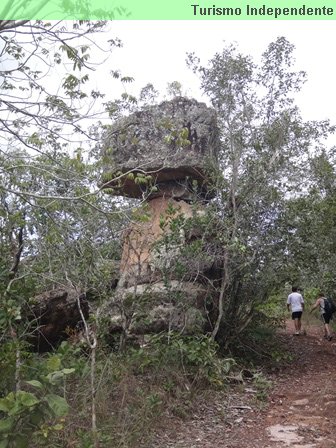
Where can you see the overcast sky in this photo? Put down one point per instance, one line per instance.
(154, 51)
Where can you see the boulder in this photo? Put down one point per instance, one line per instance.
(165, 149)
(152, 308)
(56, 316)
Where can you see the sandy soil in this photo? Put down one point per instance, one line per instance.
(298, 412)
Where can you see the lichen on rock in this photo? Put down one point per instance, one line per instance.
(168, 145)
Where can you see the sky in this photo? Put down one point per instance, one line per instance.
(155, 51)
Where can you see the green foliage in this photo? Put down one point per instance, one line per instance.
(310, 296)
(141, 214)
(7, 366)
(259, 344)
(28, 414)
(136, 387)
(10, 313)
(133, 390)
(148, 94)
(174, 89)
(198, 355)
(274, 309)
(142, 179)
(177, 138)
(309, 222)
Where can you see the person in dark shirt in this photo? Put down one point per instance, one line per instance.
(325, 315)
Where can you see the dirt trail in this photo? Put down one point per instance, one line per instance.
(300, 411)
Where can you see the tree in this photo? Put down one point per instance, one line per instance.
(57, 227)
(308, 225)
(263, 139)
(49, 168)
(47, 107)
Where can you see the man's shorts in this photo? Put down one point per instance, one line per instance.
(326, 317)
(296, 315)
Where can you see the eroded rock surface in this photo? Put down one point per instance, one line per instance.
(174, 143)
(144, 256)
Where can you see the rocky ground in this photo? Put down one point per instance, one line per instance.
(299, 410)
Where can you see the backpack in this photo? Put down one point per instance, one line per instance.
(329, 306)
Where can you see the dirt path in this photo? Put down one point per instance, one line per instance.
(300, 411)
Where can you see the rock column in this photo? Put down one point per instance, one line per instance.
(163, 156)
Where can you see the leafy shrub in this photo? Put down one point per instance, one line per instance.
(38, 406)
(27, 414)
(197, 356)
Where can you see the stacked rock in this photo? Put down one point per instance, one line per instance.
(162, 155)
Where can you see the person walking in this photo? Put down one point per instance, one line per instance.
(326, 314)
(295, 303)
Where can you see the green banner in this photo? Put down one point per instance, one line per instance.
(167, 10)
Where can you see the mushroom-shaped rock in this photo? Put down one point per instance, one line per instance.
(163, 154)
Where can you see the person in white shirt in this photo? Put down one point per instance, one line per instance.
(295, 303)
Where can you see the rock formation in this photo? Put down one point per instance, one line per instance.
(55, 315)
(169, 147)
(162, 155)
